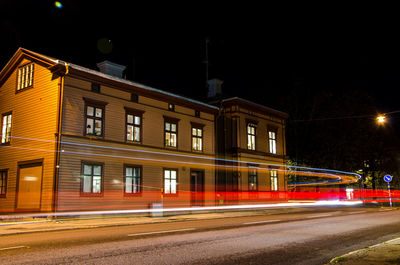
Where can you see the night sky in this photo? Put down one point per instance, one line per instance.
(258, 50)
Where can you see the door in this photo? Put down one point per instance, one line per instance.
(29, 190)
(197, 187)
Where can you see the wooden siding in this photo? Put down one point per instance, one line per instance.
(114, 152)
(237, 118)
(153, 120)
(34, 116)
(113, 156)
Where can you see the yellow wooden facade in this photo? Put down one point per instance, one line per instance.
(48, 148)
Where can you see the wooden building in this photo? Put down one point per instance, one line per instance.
(77, 139)
(251, 152)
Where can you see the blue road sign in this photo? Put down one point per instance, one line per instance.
(387, 178)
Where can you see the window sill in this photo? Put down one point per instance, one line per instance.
(6, 143)
(171, 147)
(89, 136)
(133, 195)
(133, 142)
(86, 194)
(197, 151)
(170, 194)
(17, 91)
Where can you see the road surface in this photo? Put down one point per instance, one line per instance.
(301, 238)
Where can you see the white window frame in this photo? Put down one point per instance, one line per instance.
(133, 180)
(92, 119)
(92, 182)
(6, 128)
(272, 141)
(133, 128)
(170, 181)
(251, 136)
(171, 134)
(25, 76)
(197, 139)
(274, 180)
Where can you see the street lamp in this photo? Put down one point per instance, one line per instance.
(381, 119)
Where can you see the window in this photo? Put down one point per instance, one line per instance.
(197, 113)
(25, 76)
(170, 181)
(92, 178)
(251, 136)
(133, 127)
(3, 182)
(134, 98)
(252, 179)
(274, 180)
(272, 141)
(6, 128)
(133, 184)
(171, 134)
(96, 87)
(197, 137)
(171, 107)
(94, 120)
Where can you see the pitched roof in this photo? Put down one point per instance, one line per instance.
(251, 105)
(77, 70)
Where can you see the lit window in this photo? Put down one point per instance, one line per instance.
(132, 180)
(197, 139)
(94, 120)
(252, 179)
(25, 76)
(170, 181)
(92, 175)
(272, 141)
(6, 128)
(251, 136)
(171, 107)
(274, 180)
(133, 127)
(3, 182)
(170, 134)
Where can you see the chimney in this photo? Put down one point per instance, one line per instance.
(214, 87)
(111, 68)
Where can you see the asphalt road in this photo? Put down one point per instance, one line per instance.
(301, 238)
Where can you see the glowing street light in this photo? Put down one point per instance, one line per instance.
(381, 119)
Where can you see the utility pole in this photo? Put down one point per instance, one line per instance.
(206, 62)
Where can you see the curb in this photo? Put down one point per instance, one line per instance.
(349, 257)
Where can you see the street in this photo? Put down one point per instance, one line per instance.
(310, 237)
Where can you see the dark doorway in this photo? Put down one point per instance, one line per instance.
(197, 187)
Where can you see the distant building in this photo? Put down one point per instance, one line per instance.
(77, 139)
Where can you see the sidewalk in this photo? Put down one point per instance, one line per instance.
(30, 225)
(381, 254)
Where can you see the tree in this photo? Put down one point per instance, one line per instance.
(336, 129)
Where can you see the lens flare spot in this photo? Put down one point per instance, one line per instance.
(105, 45)
(58, 4)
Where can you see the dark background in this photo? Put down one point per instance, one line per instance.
(258, 50)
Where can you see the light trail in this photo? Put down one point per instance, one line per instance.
(310, 173)
(287, 168)
(306, 173)
(188, 209)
